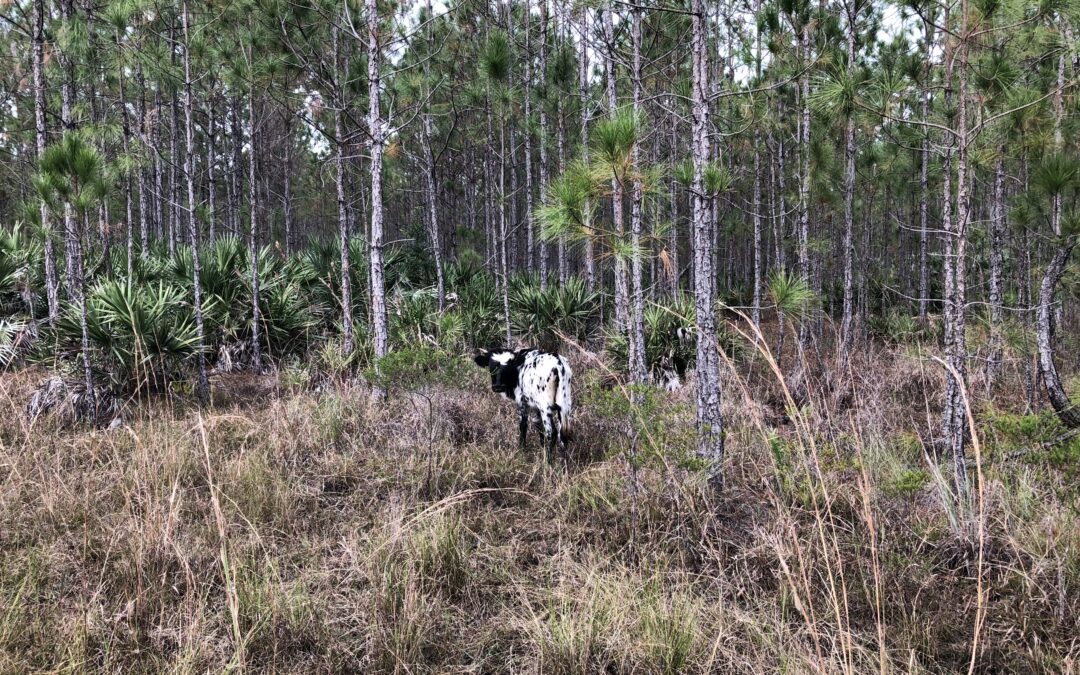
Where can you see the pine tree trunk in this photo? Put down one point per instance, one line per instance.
(202, 384)
(545, 262)
(622, 287)
(710, 427)
(924, 184)
(583, 97)
(211, 181)
(1067, 412)
(430, 181)
(804, 173)
(347, 344)
(530, 233)
(253, 233)
(377, 131)
(128, 214)
(755, 311)
(673, 204)
(955, 423)
(174, 154)
(144, 188)
(638, 367)
(76, 281)
(997, 267)
(52, 285)
(849, 196)
(492, 253)
(159, 174)
(236, 176)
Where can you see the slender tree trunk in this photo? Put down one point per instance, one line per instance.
(955, 422)
(73, 245)
(159, 174)
(997, 267)
(174, 155)
(430, 179)
(622, 287)
(211, 182)
(253, 234)
(804, 171)
(755, 311)
(202, 384)
(377, 131)
(638, 367)
(347, 344)
(583, 96)
(530, 233)
(236, 177)
(1068, 412)
(144, 188)
(710, 426)
(849, 194)
(52, 285)
(545, 262)
(504, 265)
(924, 183)
(673, 203)
(492, 257)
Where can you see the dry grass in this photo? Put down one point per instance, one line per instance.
(298, 532)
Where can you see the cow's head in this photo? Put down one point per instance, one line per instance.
(504, 366)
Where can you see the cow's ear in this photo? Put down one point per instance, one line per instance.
(482, 358)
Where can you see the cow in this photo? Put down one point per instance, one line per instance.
(537, 382)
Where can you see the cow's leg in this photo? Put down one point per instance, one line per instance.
(523, 424)
(557, 441)
(549, 435)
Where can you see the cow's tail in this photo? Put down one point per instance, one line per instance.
(558, 395)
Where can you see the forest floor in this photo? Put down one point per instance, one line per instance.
(290, 528)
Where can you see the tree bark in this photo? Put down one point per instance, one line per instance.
(430, 179)
(211, 182)
(542, 247)
(849, 192)
(997, 267)
(622, 287)
(202, 386)
(377, 132)
(583, 97)
(1067, 412)
(52, 285)
(710, 426)
(638, 367)
(253, 234)
(924, 182)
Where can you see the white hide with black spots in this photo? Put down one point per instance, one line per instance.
(539, 383)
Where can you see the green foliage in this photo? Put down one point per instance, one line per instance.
(21, 271)
(12, 333)
(479, 305)
(669, 342)
(568, 205)
(541, 315)
(1056, 174)
(898, 327)
(613, 140)
(138, 337)
(71, 171)
(791, 294)
(415, 319)
(418, 366)
(649, 421)
(497, 57)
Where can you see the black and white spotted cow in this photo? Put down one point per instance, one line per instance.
(538, 382)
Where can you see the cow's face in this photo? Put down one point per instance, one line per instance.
(503, 366)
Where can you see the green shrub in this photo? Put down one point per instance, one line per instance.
(140, 335)
(541, 315)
